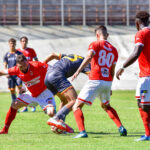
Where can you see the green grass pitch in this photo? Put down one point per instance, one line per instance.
(29, 130)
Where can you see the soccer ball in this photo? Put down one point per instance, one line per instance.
(56, 130)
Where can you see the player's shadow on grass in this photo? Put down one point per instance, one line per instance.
(130, 134)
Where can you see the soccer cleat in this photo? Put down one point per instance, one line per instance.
(143, 138)
(69, 129)
(60, 125)
(122, 131)
(82, 134)
(25, 109)
(33, 109)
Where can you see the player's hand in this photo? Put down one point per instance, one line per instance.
(75, 76)
(1, 73)
(22, 90)
(119, 73)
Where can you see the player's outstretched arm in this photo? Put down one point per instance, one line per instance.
(132, 58)
(85, 62)
(51, 57)
(3, 72)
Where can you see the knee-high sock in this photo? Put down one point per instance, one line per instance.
(145, 118)
(61, 114)
(79, 117)
(114, 116)
(10, 116)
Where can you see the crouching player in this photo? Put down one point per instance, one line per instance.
(103, 57)
(56, 81)
(32, 74)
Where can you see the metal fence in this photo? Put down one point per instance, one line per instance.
(62, 12)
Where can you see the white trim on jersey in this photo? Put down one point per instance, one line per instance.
(139, 44)
(92, 51)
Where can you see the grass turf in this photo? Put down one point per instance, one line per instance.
(30, 131)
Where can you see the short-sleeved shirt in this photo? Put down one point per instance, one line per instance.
(142, 37)
(29, 53)
(34, 78)
(68, 65)
(10, 58)
(101, 64)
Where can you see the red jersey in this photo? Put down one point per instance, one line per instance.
(142, 37)
(29, 53)
(101, 64)
(34, 78)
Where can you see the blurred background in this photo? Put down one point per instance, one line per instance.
(67, 26)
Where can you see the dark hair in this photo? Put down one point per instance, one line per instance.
(143, 16)
(12, 40)
(20, 58)
(24, 37)
(101, 28)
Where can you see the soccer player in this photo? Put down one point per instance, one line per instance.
(32, 73)
(30, 54)
(103, 57)
(142, 53)
(9, 62)
(56, 81)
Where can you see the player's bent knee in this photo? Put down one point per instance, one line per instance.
(105, 106)
(77, 105)
(12, 91)
(17, 104)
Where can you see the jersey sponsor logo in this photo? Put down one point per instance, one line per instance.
(33, 82)
(105, 72)
(11, 59)
(28, 58)
(49, 100)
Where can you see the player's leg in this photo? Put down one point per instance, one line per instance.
(104, 93)
(143, 98)
(62, 99)
(11, 87)
(21, 101)
(58, 120)
(87, 96)
(112, 113)
(70, 95)
(21, 89)
(46, 101)
(57, 82)
(13, 94)
(79, 117)
(11, 114)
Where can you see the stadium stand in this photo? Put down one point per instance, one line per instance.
(73, 10)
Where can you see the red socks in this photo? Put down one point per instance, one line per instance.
(145, 117)
(114, 116)
(10, 116)
(79, 119)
